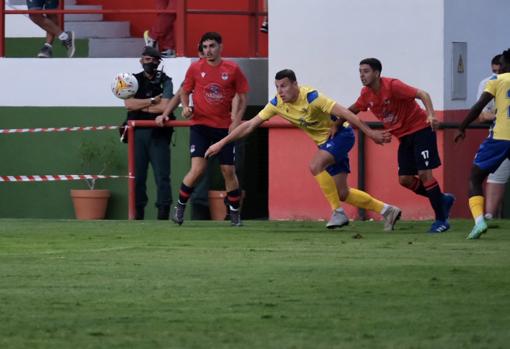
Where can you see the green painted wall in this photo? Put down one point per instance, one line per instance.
(58, 153)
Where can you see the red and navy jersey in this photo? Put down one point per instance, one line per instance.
(213, 88)
(395, 105)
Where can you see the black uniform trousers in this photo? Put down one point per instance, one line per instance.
(152, 145)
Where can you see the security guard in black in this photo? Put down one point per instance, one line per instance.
(152, 145)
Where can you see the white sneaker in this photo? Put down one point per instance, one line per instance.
(391, 216)
(148, 40)
(338, 219)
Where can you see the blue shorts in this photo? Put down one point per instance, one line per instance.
(491, 154)
(42, 4)
(418, 151)
(339, 146)
(201, 137)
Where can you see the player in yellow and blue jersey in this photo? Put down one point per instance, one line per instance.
(495, 148)
(327, 123)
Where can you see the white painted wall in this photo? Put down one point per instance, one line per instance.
(86, 81)
(324, 40)
(485, 26)
(71, 82)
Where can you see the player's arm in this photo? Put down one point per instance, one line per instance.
(475, 110)
(379, 137)
(238, 108)
(144, 104)
(240, 131)
(170, 107)
(354, 109)
(429, 108)
(187, 111)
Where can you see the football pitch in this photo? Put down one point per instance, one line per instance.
(119, 284)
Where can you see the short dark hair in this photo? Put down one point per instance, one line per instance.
(374, 63)
(496, 59)
(506, 57)
(211, 36)
(286, 73)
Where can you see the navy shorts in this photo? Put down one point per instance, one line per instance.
(491, 154)
(418, 151)
(201, 137)
(339, 146)
(40, 4)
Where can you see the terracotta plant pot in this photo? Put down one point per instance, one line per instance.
(217, 207)
(90, 204)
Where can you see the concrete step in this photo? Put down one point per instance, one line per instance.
(89, 17)
(99, 29)
(24, 2)
(122, 47)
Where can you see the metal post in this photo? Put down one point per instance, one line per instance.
(361, 170)
(2, 28)
(61, 15)
(180, 31)
(253, 33)
(131, 170)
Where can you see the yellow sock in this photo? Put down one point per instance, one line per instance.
(361, 199)
(476, 205)
(328, 187)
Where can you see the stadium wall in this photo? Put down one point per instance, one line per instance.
(76, 92)
(324, 43)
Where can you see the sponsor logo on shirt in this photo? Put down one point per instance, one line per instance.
(213, 93)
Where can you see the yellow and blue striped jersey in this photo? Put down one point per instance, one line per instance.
(311, 112)
(499, 87)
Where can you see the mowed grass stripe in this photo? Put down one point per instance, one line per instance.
(267, 285)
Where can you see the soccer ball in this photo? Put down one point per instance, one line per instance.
(124, 85)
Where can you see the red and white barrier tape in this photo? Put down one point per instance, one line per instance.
(50, 178)
(57, 129)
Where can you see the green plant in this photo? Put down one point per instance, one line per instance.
(99, 157)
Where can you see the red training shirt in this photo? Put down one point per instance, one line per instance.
(395, 105)
(213, 88)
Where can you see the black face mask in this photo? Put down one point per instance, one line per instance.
(150, 68)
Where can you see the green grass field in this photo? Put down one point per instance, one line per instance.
(118, 284)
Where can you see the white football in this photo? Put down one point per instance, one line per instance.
(124, 85)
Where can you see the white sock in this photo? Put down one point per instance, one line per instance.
(63, 36)
(48, 45)
(339, 210)
(479, 219)
(384, 209)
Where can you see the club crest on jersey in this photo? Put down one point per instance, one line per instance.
(202, 74)
(224, 76)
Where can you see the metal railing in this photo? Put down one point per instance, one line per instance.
(182, 12)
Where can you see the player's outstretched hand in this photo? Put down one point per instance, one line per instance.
(433, 122)
(381, 137)
(187, 112)
(212, 150)
(459, 136)
(161, 119)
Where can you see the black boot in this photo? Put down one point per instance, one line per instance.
(164, 213)
(140, 213)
